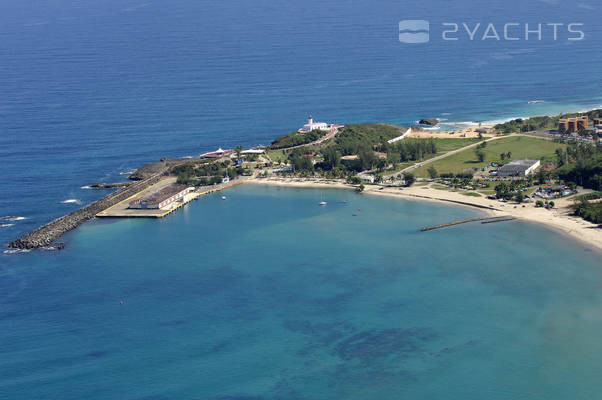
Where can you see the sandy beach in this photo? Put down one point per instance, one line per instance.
(467, 132)
(558, 218)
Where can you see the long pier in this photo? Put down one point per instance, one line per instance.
(486, 220)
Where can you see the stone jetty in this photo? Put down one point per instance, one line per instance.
(48, 233)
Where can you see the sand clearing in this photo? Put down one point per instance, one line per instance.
(468, 132)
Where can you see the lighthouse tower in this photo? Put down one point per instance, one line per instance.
(312, 126)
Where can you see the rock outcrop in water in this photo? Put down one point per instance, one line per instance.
(429, 121)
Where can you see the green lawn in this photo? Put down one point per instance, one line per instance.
(277, 155)
(471, 194)
(445, 145)
(519, 146)
(441, 187)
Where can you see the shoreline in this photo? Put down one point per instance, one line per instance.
(557, 219)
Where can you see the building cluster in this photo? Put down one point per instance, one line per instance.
(573, 125)
(162, 198)
(552, 192)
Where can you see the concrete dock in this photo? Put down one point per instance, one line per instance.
(121, 210)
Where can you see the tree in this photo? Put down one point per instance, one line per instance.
(360, 188)
(542, 176)
(367, 159)
(409, 178)
(560, 156)
(503, 156)
(432, 171)
(519, 197)
(539, 203)
(238, 150)
(480, 155)
(502, 190)
(332, 159)
(551, 204)
(509, 155)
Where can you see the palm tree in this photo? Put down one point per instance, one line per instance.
(238, 150)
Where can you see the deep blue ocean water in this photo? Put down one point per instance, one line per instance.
(267, 296)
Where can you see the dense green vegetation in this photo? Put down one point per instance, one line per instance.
(582, 165)
(367, 145)
(589, 211)
(205, 174)
(352, 138)
(540, 123)
(296, 139)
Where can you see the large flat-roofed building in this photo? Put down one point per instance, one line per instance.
(573, 124)
(519, 168)
(162, 198)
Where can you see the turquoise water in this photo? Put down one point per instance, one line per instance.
(268, 296)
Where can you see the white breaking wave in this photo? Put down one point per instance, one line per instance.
(461, 123)
(6, 225)
(71, 201)
(86, 187)
(12, 218)
(15, 251)
(127, 172)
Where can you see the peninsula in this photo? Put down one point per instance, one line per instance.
(523, 169)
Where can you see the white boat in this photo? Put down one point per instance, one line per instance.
(223, 197)
(323, 203)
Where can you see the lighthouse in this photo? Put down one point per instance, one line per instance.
(312, 126)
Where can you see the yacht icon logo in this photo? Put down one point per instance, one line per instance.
(414, 31)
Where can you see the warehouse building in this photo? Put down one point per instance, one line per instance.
(162, 198)
(519, 168)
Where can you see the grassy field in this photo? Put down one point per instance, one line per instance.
(445, 145)
(519, 146)
(277, 155)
